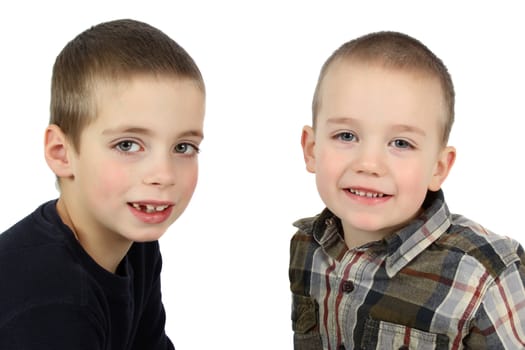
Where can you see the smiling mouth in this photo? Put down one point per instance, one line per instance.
(149, 208)
(366, 194)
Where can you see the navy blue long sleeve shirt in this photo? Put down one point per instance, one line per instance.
(53, 295)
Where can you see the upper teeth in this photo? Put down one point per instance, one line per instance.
(149, 207)
(366, 194)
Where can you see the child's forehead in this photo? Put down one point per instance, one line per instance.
(118, 84)
(362, 81)
(148, 99)
(106, 89)
(356, 65)
(364, 89)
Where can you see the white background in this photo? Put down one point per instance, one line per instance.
(225, 279)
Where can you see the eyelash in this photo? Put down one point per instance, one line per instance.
(119, 145)
(339, 136)
(189, 149)
(353, 138)
(408, 145)
(194, 148)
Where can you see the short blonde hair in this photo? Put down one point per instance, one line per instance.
(393, 50)
(110, 51)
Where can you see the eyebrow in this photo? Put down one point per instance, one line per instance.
(409, 128)
(396, 127)
(341, 120)
(147, 132)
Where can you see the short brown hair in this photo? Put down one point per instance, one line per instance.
(393, 50)
(114, 50)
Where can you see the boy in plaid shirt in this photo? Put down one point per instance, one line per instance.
(386, 265)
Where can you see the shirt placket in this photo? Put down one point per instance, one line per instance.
(344, 301)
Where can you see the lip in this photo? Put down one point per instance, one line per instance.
(153, 202)
(368, 196)
(153, 217)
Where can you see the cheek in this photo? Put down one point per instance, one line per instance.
(330, 161)
(108, 177)
(414, 176)
(330, 167)
(188, 177)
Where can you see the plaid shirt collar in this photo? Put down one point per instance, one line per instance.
(400, 248)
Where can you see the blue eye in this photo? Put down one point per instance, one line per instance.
(128, 146)
(186, 148)
(346, 136)
(403, 144)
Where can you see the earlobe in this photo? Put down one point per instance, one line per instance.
(445, 162)
(308, 144)
(56, 151)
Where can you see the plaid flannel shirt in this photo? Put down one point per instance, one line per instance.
(442, 282)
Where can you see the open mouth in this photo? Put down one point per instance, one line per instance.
(149, 208)
(366, 194)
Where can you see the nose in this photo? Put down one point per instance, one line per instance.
(369, 161)
(160, 171)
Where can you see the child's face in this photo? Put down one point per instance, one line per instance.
(377, 146)
(136, 168)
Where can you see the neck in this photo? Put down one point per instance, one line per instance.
(356, 238)
(107, 249)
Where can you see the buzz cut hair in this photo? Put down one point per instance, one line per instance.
(110, 52)
(392, 50)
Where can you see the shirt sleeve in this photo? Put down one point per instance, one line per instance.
(54, 326)
(305, 309)
(500, 321)
(151, 330)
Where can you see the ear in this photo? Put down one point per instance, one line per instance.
(445, 162)
(308, 144)
(57, 151)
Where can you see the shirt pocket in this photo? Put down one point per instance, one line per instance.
(386, 335)
(305, 311)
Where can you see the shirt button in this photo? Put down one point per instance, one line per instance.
(348, 286)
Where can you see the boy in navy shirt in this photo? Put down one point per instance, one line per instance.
(83, 271)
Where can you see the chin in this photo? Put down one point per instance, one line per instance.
(148, 236)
